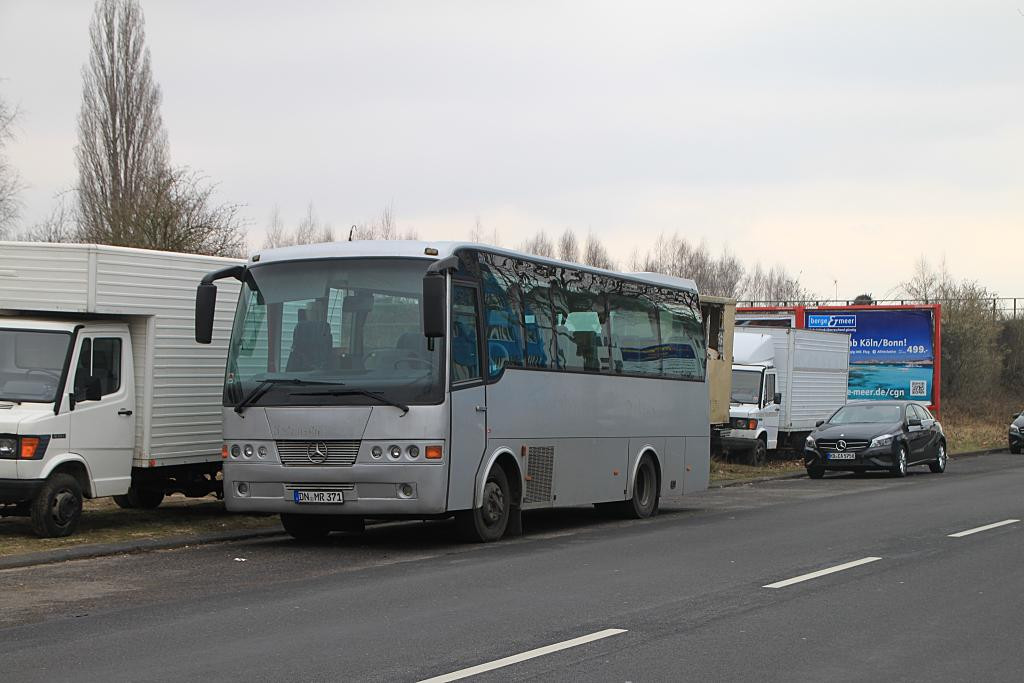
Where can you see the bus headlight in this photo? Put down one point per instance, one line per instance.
(413, 451)
(262, 452)
(236, 451)
(395, 452)
(376, 452)
(248, 451)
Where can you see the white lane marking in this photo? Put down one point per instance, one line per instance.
(822, 572)
(531, 654)
(961, 534)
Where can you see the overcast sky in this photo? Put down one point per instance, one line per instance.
(842, 139)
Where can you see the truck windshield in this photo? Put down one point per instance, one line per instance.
(746, 386)
(351, 326)
(31, 364)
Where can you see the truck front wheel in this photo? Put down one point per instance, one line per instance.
(759, 453)
(57, 507)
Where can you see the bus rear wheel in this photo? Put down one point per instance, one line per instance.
(488, 522)
(644, 501)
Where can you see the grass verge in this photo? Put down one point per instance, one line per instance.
(724, 471)
(104, 522)
(977, 426)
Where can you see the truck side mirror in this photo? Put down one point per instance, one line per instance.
(777, 399)
(206, 303)
(89, 390)
(434, 290)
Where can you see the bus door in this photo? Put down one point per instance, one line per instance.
(468, 396)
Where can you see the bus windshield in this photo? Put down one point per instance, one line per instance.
(31, 364)
(352, 327)
(746, 386)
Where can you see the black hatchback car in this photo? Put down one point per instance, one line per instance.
(876, 435)
(1017, 433)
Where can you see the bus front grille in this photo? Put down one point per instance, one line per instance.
(540, 465)
(318, 453)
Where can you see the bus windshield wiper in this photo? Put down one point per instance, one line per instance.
(355, 392)
(266, 385)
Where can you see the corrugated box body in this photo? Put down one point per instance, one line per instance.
(178, 383)
(813, 369)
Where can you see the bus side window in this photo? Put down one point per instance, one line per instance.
(465, 345)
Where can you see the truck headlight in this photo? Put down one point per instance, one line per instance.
(8, 448)
(883, 440)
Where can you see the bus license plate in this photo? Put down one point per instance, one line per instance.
(322, 497)
(842, 456)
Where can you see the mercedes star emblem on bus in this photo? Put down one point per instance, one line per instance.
(317, 452)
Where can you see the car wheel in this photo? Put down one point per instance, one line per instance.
(57, 507)
(939, 465)
(488, 522)
(900, 468)
(759, 453)
(1015, 449)
(815, 472)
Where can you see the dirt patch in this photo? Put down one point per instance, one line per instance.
(722, 470)
(104, 522)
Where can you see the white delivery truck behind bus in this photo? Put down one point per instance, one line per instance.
(102, 390)
(783, 382)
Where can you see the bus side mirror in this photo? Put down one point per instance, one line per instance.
(206, 302)
(434, 291)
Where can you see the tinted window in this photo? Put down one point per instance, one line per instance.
(84, 367)
(634, 328)
(920, 413)
(503, 311)
(580, 325)
(682, 336)
(465, 353)
(867, 414)
(106, 364)
(538, 322)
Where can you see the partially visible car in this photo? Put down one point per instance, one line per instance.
(876, 435)
(1017, 433)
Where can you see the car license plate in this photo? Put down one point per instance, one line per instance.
(842, 456)
(322, 497)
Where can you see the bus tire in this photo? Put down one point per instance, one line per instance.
(644, 501)
(57, 507)
(488, 522)
(306, 527)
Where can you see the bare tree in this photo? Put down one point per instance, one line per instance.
(10, 181)
(773, 286)
(595, 254)
(568, 246)
(276, 235)
(128, 193)
(59, 226)
(539, 245)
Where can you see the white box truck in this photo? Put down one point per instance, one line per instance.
(783, 382)
(103, 391)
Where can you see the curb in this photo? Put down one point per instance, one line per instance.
(756, 480)
(127, 547)
(975, 454)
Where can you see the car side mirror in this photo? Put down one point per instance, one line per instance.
(777, 399)
(819, 423)
(914, 422)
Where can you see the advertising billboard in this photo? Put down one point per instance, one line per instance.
(895, 350)
(891, 351)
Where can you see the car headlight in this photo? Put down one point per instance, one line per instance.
(1013, 428)
(809, 442)
(883, 440)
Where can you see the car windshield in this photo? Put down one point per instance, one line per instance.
(746, 386)
(352, 327)
(867, 414)
(31, 364)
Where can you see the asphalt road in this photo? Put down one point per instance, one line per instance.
(679, 597)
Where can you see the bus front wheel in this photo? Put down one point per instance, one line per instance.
(488, 522)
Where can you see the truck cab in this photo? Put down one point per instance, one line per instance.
(67, 417)
(754, 401)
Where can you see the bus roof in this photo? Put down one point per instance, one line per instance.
(417, 249)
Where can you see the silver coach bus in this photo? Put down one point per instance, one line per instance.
(397, 379)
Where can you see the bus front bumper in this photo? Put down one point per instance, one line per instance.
(366, 490)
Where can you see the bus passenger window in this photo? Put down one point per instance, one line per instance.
(465, 353)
